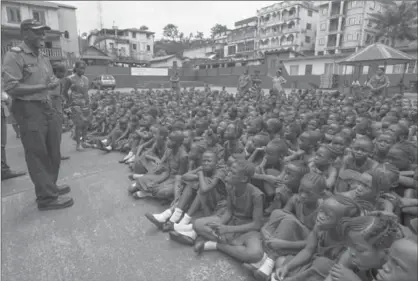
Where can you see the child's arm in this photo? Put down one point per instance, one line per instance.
(192, 175)
(226, 217)
(124, 135)
(407, 182)
(306, 254)
(206, 186)
(294, 155)
(254, 154)
(332, 178)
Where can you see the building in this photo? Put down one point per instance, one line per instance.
(166, 61)
(128, 46)
(242, 39)
(287, 26)
(200, 51)
(61, 43)
(346, 26)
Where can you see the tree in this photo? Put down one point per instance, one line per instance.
(217, 29)
(397, 22)
(143, 28)
(171, 31)
(160, 53)
(181, 37)
(199, 35)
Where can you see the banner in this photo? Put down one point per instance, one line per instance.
(144, 71)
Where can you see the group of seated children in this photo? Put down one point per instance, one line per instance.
(310, 187)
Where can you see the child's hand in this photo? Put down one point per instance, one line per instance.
(282, 272)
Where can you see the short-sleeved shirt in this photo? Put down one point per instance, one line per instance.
(22, 65)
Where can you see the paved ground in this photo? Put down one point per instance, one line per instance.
(103, 237)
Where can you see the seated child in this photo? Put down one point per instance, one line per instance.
(235, 233)
(323, 246)
(383, 143)
(322, 163)
(286, 231)
(161, 184)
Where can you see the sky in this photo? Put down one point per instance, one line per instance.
(189, 16)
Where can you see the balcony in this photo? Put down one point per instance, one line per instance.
(52, 53)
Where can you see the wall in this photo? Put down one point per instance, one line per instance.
(167, 63)
(51, 14)
(197, 52)
(68, 22)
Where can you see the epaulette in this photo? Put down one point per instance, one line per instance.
(16, 49)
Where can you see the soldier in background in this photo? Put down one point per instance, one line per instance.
(6, 172)
(28, 79)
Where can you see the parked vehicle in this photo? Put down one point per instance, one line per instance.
(104, 81)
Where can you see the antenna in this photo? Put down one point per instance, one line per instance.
(100, 14)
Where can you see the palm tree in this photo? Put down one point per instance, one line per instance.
(397, 22)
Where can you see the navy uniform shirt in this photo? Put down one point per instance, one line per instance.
(21, 65)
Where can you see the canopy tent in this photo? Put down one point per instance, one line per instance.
(377, 54)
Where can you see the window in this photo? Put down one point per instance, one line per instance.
(39, 16)
(307, 39)
(351, 20)
(310, 13)
(358, 36)
(308, 69)
(13, 15)
(321, 53)
(133, 34)
(148, 48)
(324, 11)
(411, 67)
(323, 26)
(349, 37)
(66, 34)
(308, 26)
(398, 68)
(134, 46)
(359, 19)
(322, 41)
(111, 45)
(294, 69)
(372, 4)
(366, 69)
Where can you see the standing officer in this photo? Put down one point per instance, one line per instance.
(28, 79)
(6, 172)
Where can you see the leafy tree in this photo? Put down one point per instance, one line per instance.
(144, 27)
(181, 37)
(397, 22)
(160, 53)
(217, 29)
(199, 35)
(171, 31)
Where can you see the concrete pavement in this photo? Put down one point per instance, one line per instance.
(103, 237)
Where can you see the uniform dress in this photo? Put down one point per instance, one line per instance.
(80, 105)
(39, 123)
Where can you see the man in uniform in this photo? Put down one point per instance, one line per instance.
(6, 172)
(28, 79)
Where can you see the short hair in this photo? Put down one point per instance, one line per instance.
(246, 168)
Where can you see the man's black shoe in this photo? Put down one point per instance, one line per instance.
(9, 174)
(59, 203)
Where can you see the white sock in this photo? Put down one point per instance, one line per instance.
(108, 147)
(210, 246)
(175, 217)
(131, 160)
(260, 262)
(182, 227)
(186, 219)
(267, 267)
(128, 156)
(163, 217)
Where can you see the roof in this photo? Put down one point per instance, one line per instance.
(163, 58)
(66, 6)
(89, 57)
(96, 31)
(33, 3)
(246, 21)
(378, 53)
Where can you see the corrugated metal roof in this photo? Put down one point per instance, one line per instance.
(378, 53)
(163, 58)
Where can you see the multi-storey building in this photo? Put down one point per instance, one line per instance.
(287, 25)
(241, 40)
(61, 42)
(346, 26)
(130, 45)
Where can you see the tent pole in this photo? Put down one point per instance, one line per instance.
(401, 84)
(352, 79)
(345, 72)
(386, 88)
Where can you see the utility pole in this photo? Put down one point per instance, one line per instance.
(100, 14)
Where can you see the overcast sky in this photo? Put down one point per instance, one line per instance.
(189, 16)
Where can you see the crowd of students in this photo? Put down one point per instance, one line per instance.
(309, 186)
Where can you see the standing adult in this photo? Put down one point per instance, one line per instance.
(278, 82)
(28, 79)
(379, 82)
(79, 102)
(6, 172)
(244, 82)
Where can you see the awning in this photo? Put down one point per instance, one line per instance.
(377, 54)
